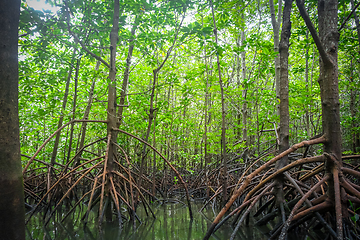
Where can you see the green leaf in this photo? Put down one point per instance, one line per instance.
(207, 31)
(355, 218)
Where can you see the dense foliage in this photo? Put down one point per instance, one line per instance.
(49, 53)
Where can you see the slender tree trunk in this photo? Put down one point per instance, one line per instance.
(311, 117)
(127, 72)
(206, 155)
(238, 83)
(357, 23)
(154, 160)
(61, 119)
(307, 114)
(284, 81)
(111, 108)
(87, 112)
(184, 134)
(151, 118)
(284, 101)
(244, 93)
(152, 109)
(12, 216)
(223, 118)
(356, 133)
(276, 29)
(74, 109)
(352, 111)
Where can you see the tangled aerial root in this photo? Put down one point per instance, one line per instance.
(329, 191)
(59, 184)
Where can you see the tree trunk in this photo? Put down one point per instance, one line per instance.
(328, 79)
(307, 108)
(154, 160)
(12, 211)
(276, 29)
(353, 111)
(238, 84)
(223, 118)
(357, 23)
(61, 119)
(244, 93)
(73, 109)
(87, 112)
(127, 72)
(327, 45)
(206, 155)
(356, 133)
(284, 100)
(152, 109)
(111, 108)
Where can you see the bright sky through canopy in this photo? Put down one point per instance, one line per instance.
(41, 5)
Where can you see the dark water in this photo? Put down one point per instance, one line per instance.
(172, 222)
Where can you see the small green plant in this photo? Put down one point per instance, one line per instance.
(347, 152)
(356, 216)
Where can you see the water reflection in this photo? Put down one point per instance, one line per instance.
(172, 222)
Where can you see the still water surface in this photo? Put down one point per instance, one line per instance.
(172, 222)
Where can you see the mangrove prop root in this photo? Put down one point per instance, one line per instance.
(298, 204)
(141, 195)
(57, 183)
(52, 135)
(248, 179)
(248, 210)
(104, 174)
(321, 206)
(318, 216)
(167, 162)
(115, 198)
(76, 204)
(69, 190)
(349, 188)
(129, 173)
(338, 211)
(90, 201)
(351, 172)
(320, 158)
(235, 211)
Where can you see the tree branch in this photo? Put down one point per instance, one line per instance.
(348, 17)
(310, 25)
(79, 41)
(172, 46)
